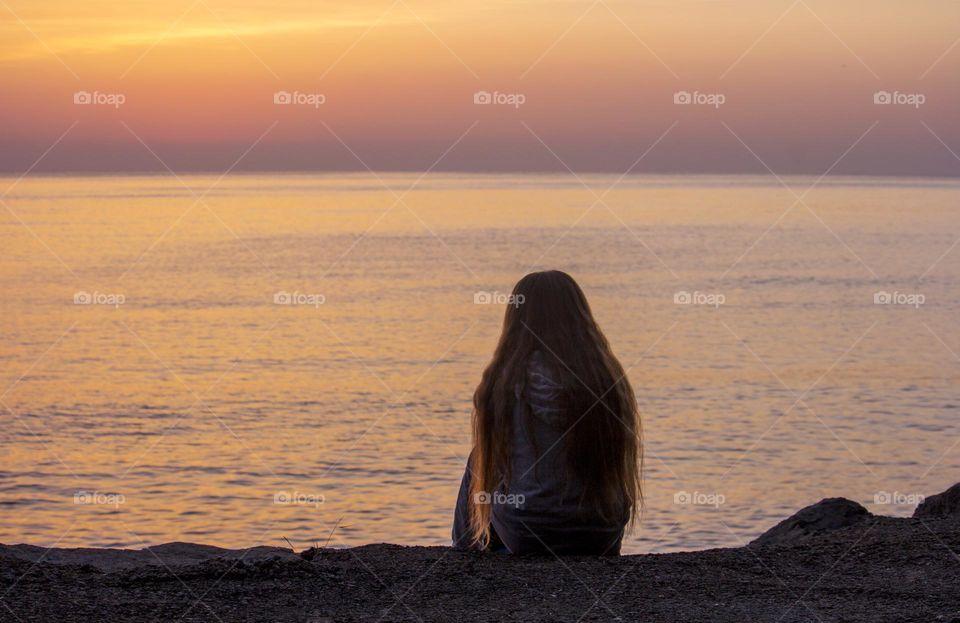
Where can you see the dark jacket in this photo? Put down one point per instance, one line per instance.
(539, 510)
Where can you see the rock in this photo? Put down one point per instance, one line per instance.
(825, 516)
(944, 504)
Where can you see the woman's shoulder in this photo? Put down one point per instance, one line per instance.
(540, 371)
(543, 384)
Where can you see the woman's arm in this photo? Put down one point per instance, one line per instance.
(461, 514)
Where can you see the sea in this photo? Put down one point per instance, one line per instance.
(290, 358)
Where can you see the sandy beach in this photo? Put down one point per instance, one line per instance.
(833, 561)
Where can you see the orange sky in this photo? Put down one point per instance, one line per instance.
(198, 77)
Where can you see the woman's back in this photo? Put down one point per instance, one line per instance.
(556, 458)
(552, 516)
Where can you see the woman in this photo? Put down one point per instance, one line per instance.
(557, 453)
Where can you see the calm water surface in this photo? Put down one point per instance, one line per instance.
(188, 406)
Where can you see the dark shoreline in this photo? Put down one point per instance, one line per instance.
(829, 562)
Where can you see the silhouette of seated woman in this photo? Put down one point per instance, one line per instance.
(557, 453)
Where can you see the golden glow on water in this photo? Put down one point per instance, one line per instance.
(199, 400)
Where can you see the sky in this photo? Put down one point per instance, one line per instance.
(698, 86)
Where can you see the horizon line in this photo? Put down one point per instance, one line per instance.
(161, 172)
